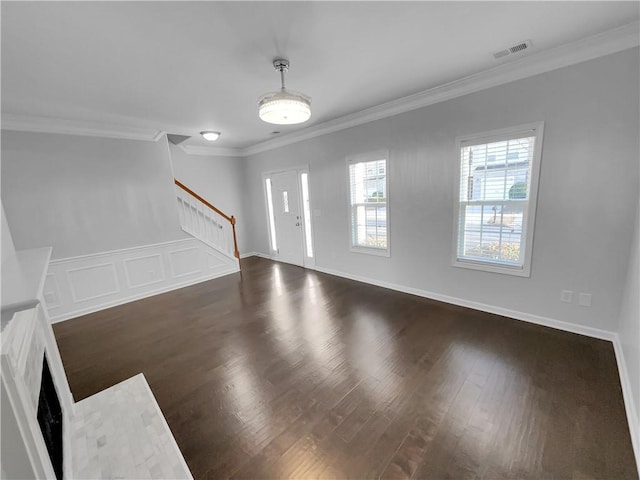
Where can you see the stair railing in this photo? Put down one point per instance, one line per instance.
(209, 224)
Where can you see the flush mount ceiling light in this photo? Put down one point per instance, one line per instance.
(210, 135)
(284, 107)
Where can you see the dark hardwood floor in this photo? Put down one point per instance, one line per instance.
(283, 372)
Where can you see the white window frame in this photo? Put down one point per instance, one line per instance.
(533, 129)
(363, 158)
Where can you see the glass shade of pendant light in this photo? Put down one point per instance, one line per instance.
(284, 107)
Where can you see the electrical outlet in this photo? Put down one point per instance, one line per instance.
(566, 296)
(584, 299)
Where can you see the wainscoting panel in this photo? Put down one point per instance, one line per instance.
(93, 281)
(51, 292)
(143, 271)
(80, 285)
(185, 262)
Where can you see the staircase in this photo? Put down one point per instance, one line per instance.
(203, 221)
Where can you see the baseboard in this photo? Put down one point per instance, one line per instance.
(256, 254)
(505, 312)
(629, 404)
(632, 415)
(89, 283)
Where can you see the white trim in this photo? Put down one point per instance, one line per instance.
(297, 168)
(55, 291)
(632, 414)
(535, 129)
(589, 48)
(365, 157)
(126, 262)
(119, 250)
(211, 151)
(629, 404)
(30, 123)
(261, 255)
(505, 312)
(211, 262)
(375, 251)
(140, 296)
(171, 264)
(72, 287)
(16, 343)
(307, 262)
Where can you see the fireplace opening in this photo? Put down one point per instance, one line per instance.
(50, 418)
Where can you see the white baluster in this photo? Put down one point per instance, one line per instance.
(204, 223)
(212, 226)
(191, 222)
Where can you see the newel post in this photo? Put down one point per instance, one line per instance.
(236, 253)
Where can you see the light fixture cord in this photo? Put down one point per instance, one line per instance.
(282, 77)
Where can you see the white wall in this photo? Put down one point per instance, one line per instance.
(219, 180)
(629, 328)
(586, 204)
(8, 249)
(14, 458)
(84, 195)
(81, 285)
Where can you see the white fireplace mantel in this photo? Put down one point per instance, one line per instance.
(88, 452)
(23, 276)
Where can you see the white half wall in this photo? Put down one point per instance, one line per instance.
(80, 285)
(586, 203)
(83, 195)
(219, 180)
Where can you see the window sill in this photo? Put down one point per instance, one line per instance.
(378, 252)
(524, 271)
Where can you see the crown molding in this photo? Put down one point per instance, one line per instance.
(611, 41)
(210, 151)
(28, 123)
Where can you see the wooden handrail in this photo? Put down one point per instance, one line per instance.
(231, 219)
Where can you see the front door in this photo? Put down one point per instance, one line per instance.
(287, 217)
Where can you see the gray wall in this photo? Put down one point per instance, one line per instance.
(85, 195)
(8, 249)
(629, 327)
(219, 180)
(586, 203)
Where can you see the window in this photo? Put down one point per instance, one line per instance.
(306, 208)
(496, 198)
(272, 224)
(368, 199)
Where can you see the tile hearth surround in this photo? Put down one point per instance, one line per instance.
(121, 433)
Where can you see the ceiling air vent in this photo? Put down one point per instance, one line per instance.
(520, 47)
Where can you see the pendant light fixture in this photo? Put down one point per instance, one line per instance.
(284, 107)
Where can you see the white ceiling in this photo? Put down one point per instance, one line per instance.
(184, 67)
